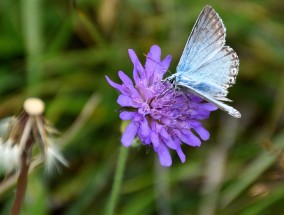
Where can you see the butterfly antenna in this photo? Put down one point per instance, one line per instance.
(157, 63)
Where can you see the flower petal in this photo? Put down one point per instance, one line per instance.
(164, 155)
(126, 101)
(126, 115)
(113, 84)
(208, 106)
(144, 132)
(145, 140)
(181, 154)
(138, 68)
(165, 65)
(129, 134)
(191, 139)
(153, 58)
(188, 138)
(198, 106)
(195, 98)
(155, 139)
(141, 71)
(128, 86)
(167, 61)
(125, 79)
(202, 132)
(144, 128)
(136, 76)
(155, 53)
(167, 138)
(154, 67)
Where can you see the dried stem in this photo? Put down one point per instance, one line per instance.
(84, 115)
(22, 179)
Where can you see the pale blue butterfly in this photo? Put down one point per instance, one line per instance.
(207, 67)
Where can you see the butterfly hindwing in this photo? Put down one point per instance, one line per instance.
(230, 110)
(220, 71)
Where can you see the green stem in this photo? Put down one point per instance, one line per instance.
(32, 29)
(117, 180)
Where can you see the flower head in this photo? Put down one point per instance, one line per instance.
(19, 134)
(159, 115)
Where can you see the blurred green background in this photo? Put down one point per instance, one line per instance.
(60, 51)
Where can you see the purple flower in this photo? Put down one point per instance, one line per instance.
(159, 115)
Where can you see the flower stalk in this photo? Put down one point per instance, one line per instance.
(123, 152)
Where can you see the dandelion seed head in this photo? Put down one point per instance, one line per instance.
(19, 134)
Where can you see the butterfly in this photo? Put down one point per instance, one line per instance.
(207, 66)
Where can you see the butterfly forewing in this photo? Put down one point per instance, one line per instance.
(206, 39)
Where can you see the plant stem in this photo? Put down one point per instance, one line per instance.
(117, 180)
(32, 29)
(22, 182)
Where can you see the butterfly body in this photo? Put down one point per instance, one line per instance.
(207, 67)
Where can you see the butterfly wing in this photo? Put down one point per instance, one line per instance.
(219, 71)
(206, 39)
(230, 110)
(207, 67)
